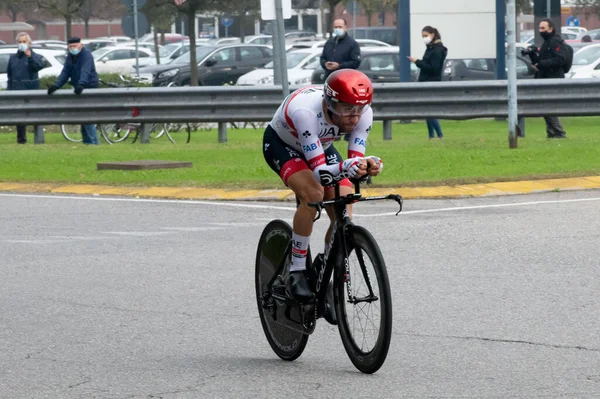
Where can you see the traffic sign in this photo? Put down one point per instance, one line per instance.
(267, 9)
(129, 3)
(227, 22)
(129, 28)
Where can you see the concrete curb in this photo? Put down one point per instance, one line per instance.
(459, 191)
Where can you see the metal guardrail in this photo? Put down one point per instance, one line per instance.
(398, 101)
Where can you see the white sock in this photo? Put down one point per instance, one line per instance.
(299, 251)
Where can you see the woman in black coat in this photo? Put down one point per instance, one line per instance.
(431, 67)
(22, 73)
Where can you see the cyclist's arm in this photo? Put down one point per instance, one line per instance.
(307, 128)
(357, 145)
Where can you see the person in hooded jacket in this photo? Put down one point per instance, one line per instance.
(431, 67)
(22, 74)
(341, 51)
(550, 65)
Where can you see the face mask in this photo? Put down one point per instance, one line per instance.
(427, 40)
(23, 46)
(74, 51)
(338, 32)
(545, 35)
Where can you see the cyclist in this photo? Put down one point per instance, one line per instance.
(297, 145)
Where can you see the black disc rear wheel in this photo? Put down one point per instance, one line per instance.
(363, 303)
(287, 343)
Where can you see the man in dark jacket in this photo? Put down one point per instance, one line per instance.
(22, 74)
(341, 51)
(81, 70)
(550, 65)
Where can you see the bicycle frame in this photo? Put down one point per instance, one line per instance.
(336, 258)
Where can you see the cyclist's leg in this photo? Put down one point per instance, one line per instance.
(296, 174)
(332, 156)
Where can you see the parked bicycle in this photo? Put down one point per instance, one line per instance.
(361, 290)
(117, 132)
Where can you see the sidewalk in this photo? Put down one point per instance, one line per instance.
(465, 191)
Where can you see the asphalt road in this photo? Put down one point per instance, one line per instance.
(120, 298)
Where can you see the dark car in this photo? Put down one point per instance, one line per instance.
(380, 64)
(483, 69)
(217, 65)
(387, 34)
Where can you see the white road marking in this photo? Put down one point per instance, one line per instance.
(137, 233)
(468, 208)
(293, 208)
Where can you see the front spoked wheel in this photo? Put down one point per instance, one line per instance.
(363, 303)
(273, 247)
(72, 133)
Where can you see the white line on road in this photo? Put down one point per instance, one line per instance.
(293, 208)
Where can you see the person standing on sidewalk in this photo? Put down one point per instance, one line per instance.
(550, 65)
(81, 70)
(431, 67)
(22, 74)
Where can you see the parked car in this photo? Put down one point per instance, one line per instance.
(146, 45)
(593, 34)
(385, 34)
(120, 59)
(483, 69)
(573, 29)
(217, 65)
(95, 44)
(586, 63)
(380, 64)
(172, 51)
(259, 39)
(118, 39)
(53, 61)
(169, 38)
(50, 44)
(300, 66)
(321, 43)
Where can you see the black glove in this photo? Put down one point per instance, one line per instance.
(52, 89)
(78, 89)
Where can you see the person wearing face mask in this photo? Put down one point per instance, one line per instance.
(341, 51)
(22, 73)
(550, 65)
(80, 69)
(431, 67)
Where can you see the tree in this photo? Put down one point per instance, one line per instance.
(241, 9)
(161, 14)
(103, 9)
(587, 7)
(370, 7)
(524, 6)
(66, 9)
(189, 9)
(13, 8)
(332, 4)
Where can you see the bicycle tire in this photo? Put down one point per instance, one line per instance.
(72, 133)
(112, 133)
(287, 344)
(368, 361)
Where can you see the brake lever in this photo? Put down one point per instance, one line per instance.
(319, 207)
(398, 199)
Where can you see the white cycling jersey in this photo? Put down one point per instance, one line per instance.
(303, 123)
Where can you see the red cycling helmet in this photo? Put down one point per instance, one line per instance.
(351, 88)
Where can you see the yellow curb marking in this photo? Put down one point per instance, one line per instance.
(466, 190)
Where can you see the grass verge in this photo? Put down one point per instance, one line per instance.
(471, 152)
